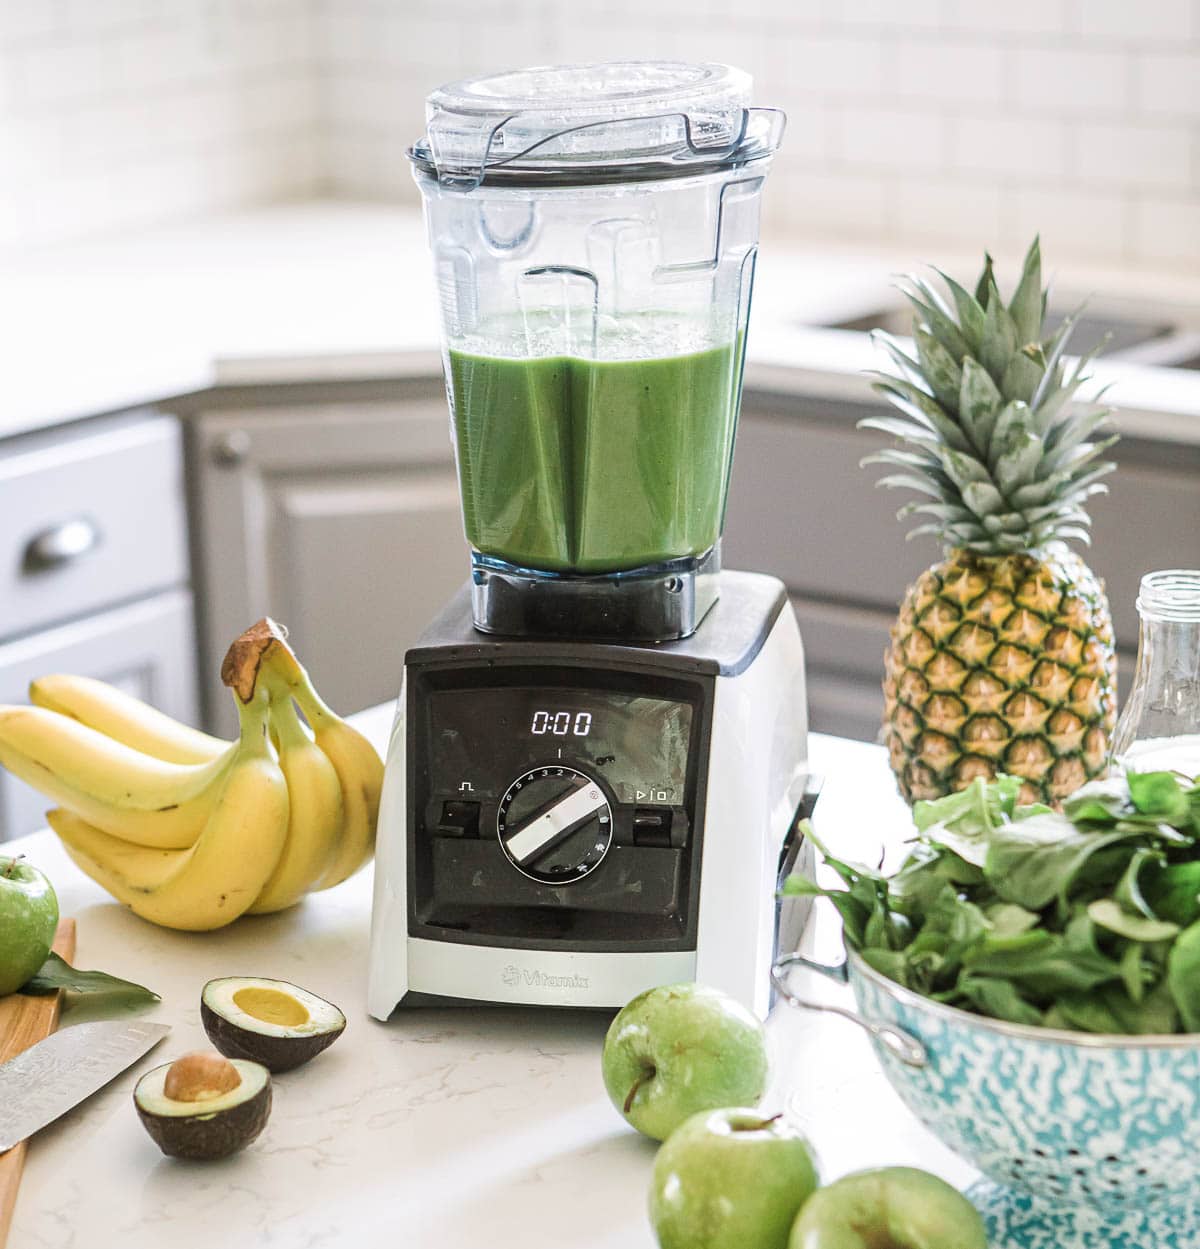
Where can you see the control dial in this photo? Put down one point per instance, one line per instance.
(555, 824)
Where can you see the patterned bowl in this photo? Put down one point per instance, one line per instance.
(1086, 1140)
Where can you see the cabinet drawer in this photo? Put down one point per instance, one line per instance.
(90, 516)
(146, 648)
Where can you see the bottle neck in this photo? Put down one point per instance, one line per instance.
(1165, 699)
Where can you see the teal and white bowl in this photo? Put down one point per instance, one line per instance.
(1086, 1140)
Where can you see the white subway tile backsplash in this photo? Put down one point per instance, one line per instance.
(1071, 223)
(833, 66)
(949, 72)
(1132, 23)
(926, 120)
(1168, 83)
(889, 138)
(888, 14)
(1070, 82)
(1034, 150)
(1143, 155)
(1014, 17)
(947, 211)
(839, 204)
(1167, 230)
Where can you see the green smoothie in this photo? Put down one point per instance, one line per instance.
(593, 466)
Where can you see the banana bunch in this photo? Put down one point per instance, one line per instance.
(191, 831)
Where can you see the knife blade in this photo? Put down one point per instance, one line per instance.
(49, 1078)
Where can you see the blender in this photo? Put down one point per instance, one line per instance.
(599, 759)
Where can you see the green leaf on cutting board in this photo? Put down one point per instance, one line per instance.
(56, 973)
(1158, 794)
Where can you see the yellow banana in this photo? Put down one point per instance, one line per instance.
(220, 876)
(118, 789)
(125, 719)
(356, 761)
(315, 809)
(137, 867)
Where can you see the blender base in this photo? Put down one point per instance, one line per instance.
(1017, 1220)
(660, 604)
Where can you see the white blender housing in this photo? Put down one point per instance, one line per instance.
(599, 759)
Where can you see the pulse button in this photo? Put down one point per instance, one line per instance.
(459, 819)
(652, 826)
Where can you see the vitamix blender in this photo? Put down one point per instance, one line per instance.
(599, 757)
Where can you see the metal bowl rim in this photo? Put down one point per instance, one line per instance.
(1016, 1031)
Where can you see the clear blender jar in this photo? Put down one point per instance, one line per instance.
(594, 231)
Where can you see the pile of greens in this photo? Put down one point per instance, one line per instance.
(1087, 920)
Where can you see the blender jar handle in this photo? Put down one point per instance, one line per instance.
(900, 1044)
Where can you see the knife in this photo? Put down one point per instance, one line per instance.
(49, 1078)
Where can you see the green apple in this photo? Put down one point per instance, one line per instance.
(28, 918)
(888, 1208)
(730, 1179)
(679, 1049)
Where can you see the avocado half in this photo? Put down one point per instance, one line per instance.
(268, 1021)
(208, 1126)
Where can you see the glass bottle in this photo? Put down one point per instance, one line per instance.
(1159, 728)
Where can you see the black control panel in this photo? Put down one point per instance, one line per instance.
(552, 804)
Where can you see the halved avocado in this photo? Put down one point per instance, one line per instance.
(268, 1021)
(203, 1106)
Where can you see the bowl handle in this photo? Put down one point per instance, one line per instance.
(900, 1044)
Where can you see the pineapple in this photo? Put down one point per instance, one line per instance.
(1002, 658)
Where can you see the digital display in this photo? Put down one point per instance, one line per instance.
(561, 723)
(638, 744)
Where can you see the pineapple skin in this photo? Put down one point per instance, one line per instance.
(1001, 664)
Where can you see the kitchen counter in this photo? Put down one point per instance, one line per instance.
(338, 290)
(442, 1129)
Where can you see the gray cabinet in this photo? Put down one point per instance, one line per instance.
(146, 648)
(94, 570)
(801, 507)
(334, 511)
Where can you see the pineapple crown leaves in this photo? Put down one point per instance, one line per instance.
(985, 428)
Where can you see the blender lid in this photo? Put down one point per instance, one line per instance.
(565, 125)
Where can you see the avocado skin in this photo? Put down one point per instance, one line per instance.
(275, 1053)
(202, 1139)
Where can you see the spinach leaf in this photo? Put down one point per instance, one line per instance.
(1108, 913)
(1034, 861)
(1183, 976)
(998, 998)
(1111, 1010)
(1173, 892)
(1158, 794)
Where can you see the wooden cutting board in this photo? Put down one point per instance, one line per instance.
(23, 1021)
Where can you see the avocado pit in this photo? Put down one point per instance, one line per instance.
(203, 1106)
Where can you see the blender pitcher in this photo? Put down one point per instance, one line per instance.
(594, 231)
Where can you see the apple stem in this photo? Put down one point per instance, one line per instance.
(8, 871)
(757, 1127)
(648, 1074)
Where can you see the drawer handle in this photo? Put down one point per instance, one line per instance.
(62, 544)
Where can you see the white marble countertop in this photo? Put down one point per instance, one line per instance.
(334, 289)
(443, 1129)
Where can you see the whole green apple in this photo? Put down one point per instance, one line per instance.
(28, 918)
(730, 1179)
(888, 1208)
(679, 1049)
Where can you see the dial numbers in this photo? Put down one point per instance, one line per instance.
(555, 824)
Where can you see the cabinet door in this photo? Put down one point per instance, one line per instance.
(342, 522)
(146, 648)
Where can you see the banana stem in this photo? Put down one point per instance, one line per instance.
(253, 726)
(282, 662)
(284, 720)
